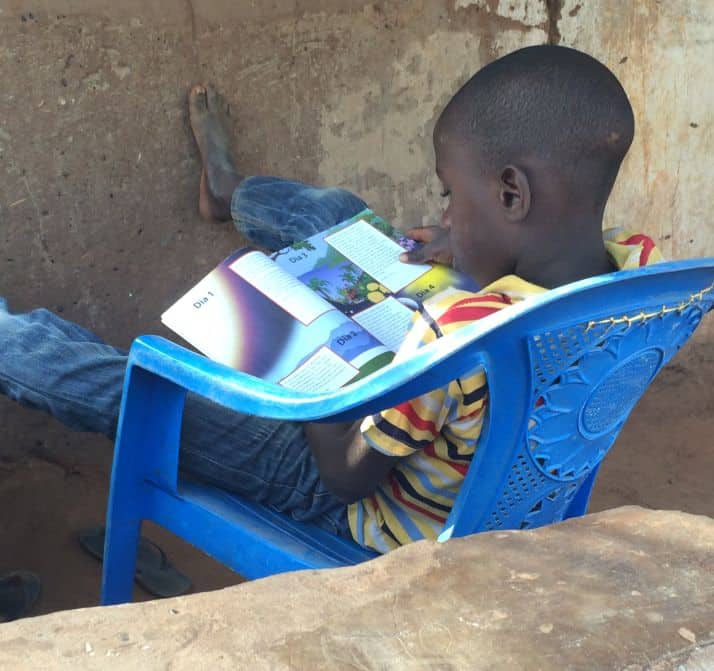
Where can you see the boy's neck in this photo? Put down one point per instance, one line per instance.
(561, 259)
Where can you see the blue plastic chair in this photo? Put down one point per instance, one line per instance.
(564, 371)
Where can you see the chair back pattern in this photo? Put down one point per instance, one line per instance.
(585, 379)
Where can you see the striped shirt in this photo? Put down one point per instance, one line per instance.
(437, 433)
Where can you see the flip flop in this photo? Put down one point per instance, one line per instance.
(153, 569)
(18, 592)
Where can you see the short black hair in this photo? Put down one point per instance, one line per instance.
(552, 103)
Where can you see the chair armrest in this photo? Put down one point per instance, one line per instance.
(386, 387)
(431, 366)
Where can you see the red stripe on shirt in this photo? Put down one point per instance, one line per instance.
(461, 469)
(399, 496)
(468, 309)
(647, 246)
(472, 414)
(417, 422)
(482, 298)
(466, 314)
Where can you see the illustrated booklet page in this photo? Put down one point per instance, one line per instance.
(317, 314)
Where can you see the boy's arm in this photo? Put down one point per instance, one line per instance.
(348, 466)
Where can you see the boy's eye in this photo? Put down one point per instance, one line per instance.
(445, 193)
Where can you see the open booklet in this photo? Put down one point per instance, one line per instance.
(315, 315)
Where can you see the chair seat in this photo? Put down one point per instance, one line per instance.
(209, 517)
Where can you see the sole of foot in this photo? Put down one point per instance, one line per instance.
(209, 117)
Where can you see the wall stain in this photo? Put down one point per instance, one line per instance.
(555, 10)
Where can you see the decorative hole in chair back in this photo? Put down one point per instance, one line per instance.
(613, 398)
(586, 378)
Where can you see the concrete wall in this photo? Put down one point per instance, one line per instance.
(98, 171)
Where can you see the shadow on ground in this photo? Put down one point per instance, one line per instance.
(663, 459)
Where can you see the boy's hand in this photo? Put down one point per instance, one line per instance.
(436, 245)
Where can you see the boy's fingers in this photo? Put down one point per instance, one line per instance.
(423, 233)
(435, 247)
(427, 252)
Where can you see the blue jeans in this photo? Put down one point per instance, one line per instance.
(57, 366)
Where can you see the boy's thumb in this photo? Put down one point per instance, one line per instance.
(413, 256)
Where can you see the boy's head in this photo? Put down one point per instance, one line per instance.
(528, 151)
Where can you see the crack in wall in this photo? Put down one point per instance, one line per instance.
(555, 10)
(192, 20)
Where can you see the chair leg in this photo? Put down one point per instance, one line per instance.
(120, 547)
(147, 445)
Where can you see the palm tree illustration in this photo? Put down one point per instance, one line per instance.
(319, 286)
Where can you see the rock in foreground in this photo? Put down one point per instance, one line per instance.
(627, 589)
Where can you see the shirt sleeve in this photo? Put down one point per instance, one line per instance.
(414, 425)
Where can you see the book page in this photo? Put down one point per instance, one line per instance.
(280, 287)
(388, 321)
(323, 371)
(376, 254)
(312, 317)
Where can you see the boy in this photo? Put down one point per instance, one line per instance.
(527, 151)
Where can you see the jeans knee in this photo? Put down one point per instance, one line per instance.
(42, 316)
(13, 326)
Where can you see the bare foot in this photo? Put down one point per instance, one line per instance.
(209, 113)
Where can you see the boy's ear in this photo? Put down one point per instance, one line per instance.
(515, 193)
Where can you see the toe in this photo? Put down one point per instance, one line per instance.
(216, 102)
(198, 98)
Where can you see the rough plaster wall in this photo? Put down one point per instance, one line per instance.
(379, 128)
(98, 172)
(662, 53)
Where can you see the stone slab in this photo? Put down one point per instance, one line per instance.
(628, 589)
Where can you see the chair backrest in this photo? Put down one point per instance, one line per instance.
(563, 377)
(564, 371)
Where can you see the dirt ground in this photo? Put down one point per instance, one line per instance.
(662, 459)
